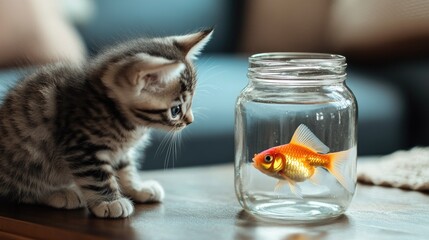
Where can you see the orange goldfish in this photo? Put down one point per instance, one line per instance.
(298, 160)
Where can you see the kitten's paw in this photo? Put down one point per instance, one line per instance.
(119, 208)
(65, 198)
(148, 191)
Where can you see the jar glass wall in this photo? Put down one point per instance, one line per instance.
(286, 91)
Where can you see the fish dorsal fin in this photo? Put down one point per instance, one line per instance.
(304, 137)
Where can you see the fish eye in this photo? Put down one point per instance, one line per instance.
(268, 159)
(176, 110)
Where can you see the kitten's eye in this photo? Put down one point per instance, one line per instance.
(176, 110)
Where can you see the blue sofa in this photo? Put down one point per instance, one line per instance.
(383, 105)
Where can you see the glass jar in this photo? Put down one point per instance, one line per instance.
(295, 137)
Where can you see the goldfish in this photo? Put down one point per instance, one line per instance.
(299, 160)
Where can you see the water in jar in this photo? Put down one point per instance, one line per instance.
(267, 121)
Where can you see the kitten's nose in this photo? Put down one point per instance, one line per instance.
(189, 121)
(189, 118)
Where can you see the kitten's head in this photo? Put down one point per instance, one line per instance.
(154, 79)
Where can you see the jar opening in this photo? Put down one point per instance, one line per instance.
(297, 68)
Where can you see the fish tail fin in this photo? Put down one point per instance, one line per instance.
(336, 163)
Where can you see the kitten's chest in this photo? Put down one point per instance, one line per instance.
(122, 148)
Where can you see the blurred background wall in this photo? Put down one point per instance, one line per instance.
(387, 40)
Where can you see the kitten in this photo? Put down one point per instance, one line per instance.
(68, 134)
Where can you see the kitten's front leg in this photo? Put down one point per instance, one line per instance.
(133, 187)
(67, 197)
(97, 181)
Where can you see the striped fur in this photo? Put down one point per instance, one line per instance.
(68, 133)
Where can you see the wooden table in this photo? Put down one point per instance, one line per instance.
(200, 204)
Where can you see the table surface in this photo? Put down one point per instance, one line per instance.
(200, 204)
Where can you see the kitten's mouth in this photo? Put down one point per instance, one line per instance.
(179, 127)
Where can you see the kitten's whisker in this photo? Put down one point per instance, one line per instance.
(204, 91)
(213, 70)
(200, 109)
(162, 145)
(207, 90)
(203, 62)
(198, 113)
(171, 153)
(173, 150)
(179, 143)
(175, 145)
(168, 147)
(167, 157)
(207, 85)
(211, 74)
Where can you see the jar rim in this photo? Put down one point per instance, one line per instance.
(302, 56)
(297, 67)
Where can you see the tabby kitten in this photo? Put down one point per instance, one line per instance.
(68, 134)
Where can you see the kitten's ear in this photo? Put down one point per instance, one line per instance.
(192, 44)
(154, 69)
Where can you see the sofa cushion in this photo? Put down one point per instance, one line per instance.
(33, 33)
(379, 29)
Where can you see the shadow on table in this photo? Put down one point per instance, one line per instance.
(251, 227)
